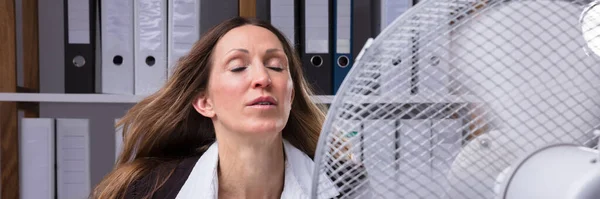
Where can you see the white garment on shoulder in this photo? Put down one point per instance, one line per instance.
(203, 180)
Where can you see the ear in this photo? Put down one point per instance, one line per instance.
(204, 106)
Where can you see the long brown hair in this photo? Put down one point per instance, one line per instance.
(164, 127)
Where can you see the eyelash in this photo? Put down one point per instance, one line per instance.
(240, 69)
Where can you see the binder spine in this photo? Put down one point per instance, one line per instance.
(73, 158)
(343, 59)
(283, 17)
(317, 47)
(80, 45)
(117, 47)
(213, 12)
(435, 57)
(184, 29)
(37, 158)
(150, 35)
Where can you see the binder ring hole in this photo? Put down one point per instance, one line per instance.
(150, 61)
(395, 62)
(343, 61)
(435, 60)
(118, 60)
(79, 61)
(316, 60)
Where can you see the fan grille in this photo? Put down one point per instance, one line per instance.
(453, 92)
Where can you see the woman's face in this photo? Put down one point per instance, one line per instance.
(250, 89)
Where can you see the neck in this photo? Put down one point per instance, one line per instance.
(251, 169)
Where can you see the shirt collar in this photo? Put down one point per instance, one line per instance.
(203, 180)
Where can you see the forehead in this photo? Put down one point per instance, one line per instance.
(249, 37)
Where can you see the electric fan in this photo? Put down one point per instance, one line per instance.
(469, 99)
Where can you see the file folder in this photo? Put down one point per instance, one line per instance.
(415, 164)
(397, 76)
(150, 36)
(184, 29)
(398, 73)
(283, 15)
(363, 26)
(380, 158)
(36, 158)
(73, 158)
(263, 9)
(447, 137)
(389, 10)
(434, 51)
(213, 12)
(342, 60)
(80, 45)
(317, 47)
(117, 47)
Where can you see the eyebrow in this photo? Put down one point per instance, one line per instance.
(238, 49)
(270, 50)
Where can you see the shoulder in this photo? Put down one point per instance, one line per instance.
(175, 172)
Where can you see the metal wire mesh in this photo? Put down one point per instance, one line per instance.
(453, 92)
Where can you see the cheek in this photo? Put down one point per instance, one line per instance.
(289, 89)
(226, 92)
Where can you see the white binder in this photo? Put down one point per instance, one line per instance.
(36, 158)
(117, 47)
(434, 54)
(447, 136)
(396, 77)
(150, 36)
(415, 164)
(397, 74)
(283, 17)
(379, 156)
(184, 29)
(73, 158)
(392, 9)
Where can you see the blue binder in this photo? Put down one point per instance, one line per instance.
(342, 59)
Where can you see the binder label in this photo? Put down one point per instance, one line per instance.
(343, 29)
(151, 25)
(392, 9)
(185, 26)
(79, 21)
(282, 17)
(317, 26)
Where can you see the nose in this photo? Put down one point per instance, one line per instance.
(261, 77)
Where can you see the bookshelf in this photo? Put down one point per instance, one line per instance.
(9, 137)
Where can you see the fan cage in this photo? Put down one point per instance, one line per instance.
(453, 92)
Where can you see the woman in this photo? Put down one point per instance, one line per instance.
(234, 121)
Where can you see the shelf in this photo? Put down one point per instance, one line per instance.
(99, 98)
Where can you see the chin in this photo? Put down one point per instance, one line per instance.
(265, 127)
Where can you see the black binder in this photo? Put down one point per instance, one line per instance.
(213, 12)
(80, 45)
(317, 65)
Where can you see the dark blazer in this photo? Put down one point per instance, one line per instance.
(182, 169)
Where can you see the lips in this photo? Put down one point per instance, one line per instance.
(264, 101)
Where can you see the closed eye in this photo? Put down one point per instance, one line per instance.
(276, 64)
(278, 69)
(238, 69)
